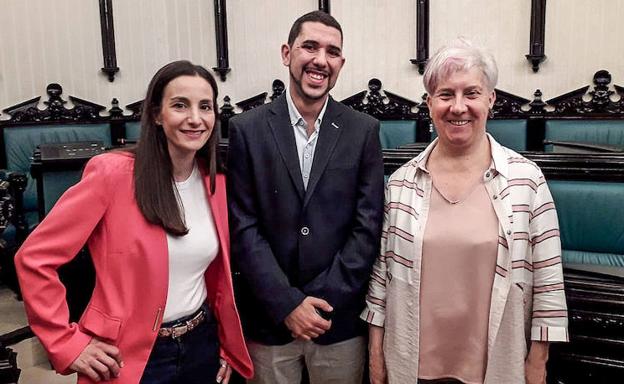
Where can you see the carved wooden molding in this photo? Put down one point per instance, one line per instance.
(325, 6)
(389, 106)
(223, 60)
(252, 102)
(226, 112)
(386, 106)
(108, 39)
(115, 111)
(600, 101)
(508, 106)
(537, 105)
(278, 88)
(136, 108)
(422, 35)
(55, 111)
(538, 27)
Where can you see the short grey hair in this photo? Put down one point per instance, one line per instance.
(459, 55)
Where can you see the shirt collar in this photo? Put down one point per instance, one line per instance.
(295, 116)
(499, 157)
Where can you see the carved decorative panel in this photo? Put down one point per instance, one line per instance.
(55, 111)
(597, 101)
(508, 105)
(383, 105)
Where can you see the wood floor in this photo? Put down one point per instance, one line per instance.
(31, 357)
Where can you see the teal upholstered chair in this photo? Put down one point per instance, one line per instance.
(605, 132)
(510, 133)
(395, 133)
(591, 219)
(20, 143)
(133, 130)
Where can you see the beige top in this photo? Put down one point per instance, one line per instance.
(459, 257)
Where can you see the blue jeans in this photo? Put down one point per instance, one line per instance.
(189, 359)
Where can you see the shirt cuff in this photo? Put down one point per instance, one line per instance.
(550, 334)
(372, 317)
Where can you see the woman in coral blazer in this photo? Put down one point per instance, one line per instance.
(162, 310)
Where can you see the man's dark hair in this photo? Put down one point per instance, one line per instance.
(153, 170)
(315, 17)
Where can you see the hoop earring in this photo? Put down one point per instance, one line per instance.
(491, 113)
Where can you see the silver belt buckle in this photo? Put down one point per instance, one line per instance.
(182, 330)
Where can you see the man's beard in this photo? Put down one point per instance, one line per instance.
(302, 92)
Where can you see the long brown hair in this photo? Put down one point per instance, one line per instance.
(153, 171)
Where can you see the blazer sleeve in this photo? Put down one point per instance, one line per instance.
(342, 284)
(55, 242)
(250, 251)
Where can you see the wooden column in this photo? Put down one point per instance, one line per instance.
(108, 39)
(223, 61)
(422, 35)
(325, 6)
(538, 28)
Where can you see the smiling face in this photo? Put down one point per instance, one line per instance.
(314, 60)
(186, 115)
(459, 108)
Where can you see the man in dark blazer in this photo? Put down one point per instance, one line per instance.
(305, 192)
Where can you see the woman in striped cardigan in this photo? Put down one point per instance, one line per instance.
(468, 286)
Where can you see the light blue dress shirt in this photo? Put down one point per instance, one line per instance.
(305, 145)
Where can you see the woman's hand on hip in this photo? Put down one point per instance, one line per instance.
(225, 371)
(98, 361)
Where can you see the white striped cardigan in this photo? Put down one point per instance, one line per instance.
(528, 301)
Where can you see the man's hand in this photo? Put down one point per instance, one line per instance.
(99, 361)
(535, 364)
(304, 321)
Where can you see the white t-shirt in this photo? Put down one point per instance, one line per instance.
(191, 254)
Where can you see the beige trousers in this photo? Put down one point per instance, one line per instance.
(339, 363)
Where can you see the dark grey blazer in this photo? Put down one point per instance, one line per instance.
(288, 242)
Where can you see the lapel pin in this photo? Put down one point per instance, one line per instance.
(335, 126)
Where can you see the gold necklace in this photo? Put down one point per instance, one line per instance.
(458, 201)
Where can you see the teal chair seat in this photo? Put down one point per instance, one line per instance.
(133, 130)
(21, 141)
(510, 133)
(606, 132)
(395, 133)
(591, 219)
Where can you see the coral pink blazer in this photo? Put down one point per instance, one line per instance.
(131, 263)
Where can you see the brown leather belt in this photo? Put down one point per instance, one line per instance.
(186, 326)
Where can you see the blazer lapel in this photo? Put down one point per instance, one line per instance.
(328, 137)
(279, 121)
